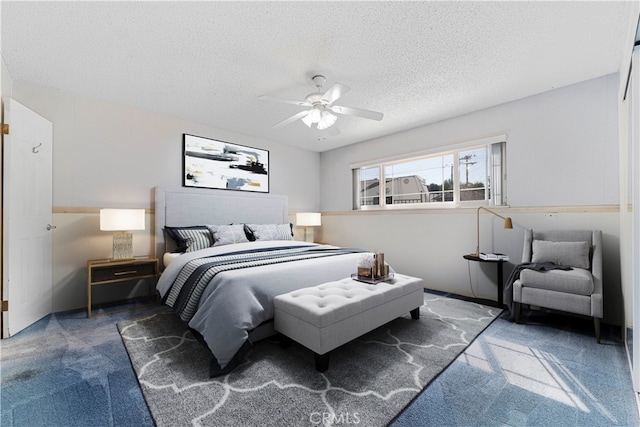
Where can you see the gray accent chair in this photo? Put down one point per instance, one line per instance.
(578, 290)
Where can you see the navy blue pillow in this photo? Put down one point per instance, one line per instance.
(249, 232)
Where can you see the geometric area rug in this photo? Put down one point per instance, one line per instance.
(369, 380)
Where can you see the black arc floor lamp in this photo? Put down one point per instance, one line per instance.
(507, 224)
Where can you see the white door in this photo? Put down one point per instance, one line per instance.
(27, 278)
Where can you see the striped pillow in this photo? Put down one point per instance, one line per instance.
(189, 239)
(271, 231)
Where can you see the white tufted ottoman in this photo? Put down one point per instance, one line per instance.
(327, 316)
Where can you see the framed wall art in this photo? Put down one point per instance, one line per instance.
(210, 163)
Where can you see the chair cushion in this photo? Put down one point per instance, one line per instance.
(576, 281)
(566, 254)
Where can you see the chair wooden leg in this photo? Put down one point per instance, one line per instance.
(516, 308)
(596, 323)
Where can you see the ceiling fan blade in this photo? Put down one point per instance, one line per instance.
(284, 101)
(291, 119)
(349, 111)
(335, 92)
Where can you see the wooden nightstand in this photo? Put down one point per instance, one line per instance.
(105, 271)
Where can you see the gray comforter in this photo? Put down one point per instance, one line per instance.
(236, 301)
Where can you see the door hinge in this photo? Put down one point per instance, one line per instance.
(5, 129)
(5, 306)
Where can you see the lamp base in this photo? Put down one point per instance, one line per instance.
(123, 245)
(308, 234)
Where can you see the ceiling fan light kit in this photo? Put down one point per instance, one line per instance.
(326, 120)
(319, 115)
(321, 106)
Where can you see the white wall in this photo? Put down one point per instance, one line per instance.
(430, 244)
(561, 152)
(562, 147)
(562, 166)
(107, 155)
(5, 77)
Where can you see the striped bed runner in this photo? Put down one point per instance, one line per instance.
(196, 274)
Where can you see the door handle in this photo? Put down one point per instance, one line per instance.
(51, 227)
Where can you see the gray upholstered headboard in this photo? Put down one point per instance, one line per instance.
(181, 207)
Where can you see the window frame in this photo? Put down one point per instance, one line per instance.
(495, 183)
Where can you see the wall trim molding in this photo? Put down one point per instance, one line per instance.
(507, 210)
(81, 210)
(419, 211)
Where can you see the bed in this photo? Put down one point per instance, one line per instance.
(225, 292)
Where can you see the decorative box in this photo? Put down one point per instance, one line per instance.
(365, 272)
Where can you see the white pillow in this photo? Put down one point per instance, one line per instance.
(566, 254)
(168, 257)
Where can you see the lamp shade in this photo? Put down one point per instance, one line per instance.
(507, 224)
(308, 219)
(121, 219)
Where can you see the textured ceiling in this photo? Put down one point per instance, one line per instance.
(207, 62)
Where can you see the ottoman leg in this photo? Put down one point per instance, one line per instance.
(322, 362)
(415, 313)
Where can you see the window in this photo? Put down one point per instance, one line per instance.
(369, 183)
(472, 174)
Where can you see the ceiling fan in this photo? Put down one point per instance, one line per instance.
(319, 114)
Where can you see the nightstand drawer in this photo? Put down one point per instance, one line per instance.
(109, 273)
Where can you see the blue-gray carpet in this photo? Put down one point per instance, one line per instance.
(548, 371)
(67, 370)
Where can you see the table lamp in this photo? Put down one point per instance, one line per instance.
(507, 224)
(308, 220)
(122, 221)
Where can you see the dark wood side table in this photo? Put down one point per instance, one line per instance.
(105, 271)
(499, 265)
